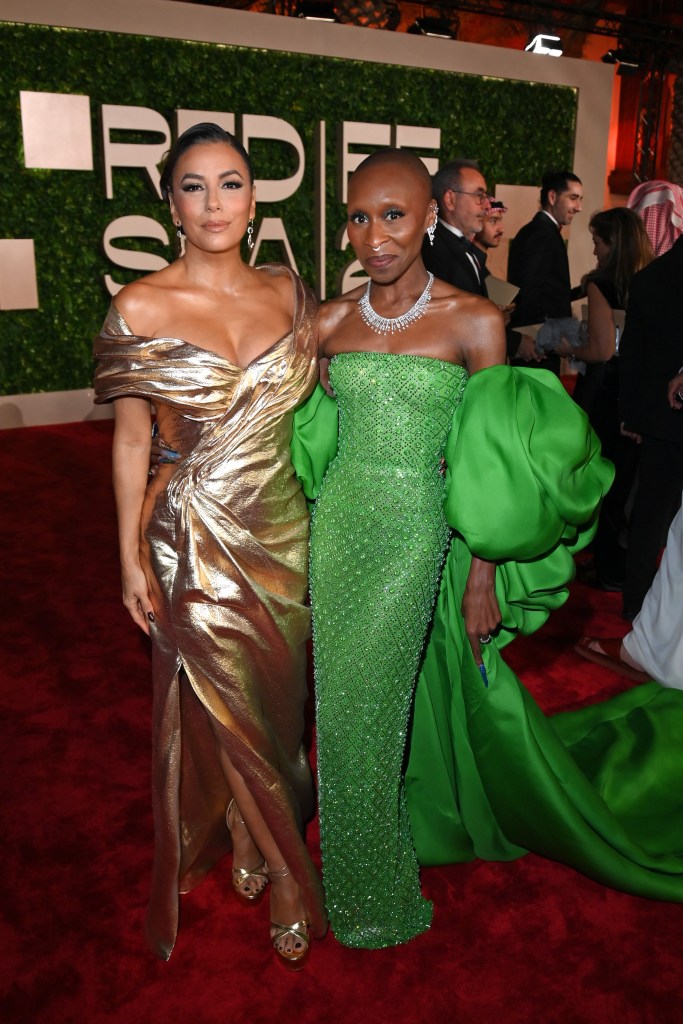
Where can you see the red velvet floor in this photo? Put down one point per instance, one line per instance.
(510, 944)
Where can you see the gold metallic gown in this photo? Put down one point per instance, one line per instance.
(224, 545)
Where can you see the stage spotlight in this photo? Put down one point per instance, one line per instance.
(629, 63)
(624, 57)
(439, 28)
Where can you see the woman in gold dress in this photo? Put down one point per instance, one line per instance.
(214, 550)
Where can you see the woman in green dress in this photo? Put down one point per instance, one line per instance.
(416, 367)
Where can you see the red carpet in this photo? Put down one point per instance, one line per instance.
(510, 944)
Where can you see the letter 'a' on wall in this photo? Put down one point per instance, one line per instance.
(56, 131)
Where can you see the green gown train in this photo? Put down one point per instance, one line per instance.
(479, 771)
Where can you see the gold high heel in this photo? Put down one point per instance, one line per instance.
(295, 958)
(240, 876)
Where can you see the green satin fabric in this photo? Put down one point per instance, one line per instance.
(314, 440)
(489, 775)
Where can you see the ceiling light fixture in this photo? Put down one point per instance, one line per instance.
(543, 44)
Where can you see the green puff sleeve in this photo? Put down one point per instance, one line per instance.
(314, 440)
(523, 488)
(488, 774)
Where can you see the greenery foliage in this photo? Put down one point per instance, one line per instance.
(516, 129)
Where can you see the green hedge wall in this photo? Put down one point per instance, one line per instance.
(516, 129)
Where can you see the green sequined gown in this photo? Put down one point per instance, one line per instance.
(486, 773)
(379, 535)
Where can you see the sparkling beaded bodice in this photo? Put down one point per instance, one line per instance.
(395, 411)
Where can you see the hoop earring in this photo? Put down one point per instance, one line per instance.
(250, 235)
(431, 231)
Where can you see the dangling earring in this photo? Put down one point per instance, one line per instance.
(250, 235)
(180, 240)
(431, 231)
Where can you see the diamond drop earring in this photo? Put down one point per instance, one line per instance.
(250, 235)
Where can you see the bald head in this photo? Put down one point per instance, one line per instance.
(397, 164)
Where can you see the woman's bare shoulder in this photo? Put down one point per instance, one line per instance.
(335, 311)
(141, 303)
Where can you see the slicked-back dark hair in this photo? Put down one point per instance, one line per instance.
(556, 181)
(205, 131)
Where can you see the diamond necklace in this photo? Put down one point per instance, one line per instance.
(387, 325)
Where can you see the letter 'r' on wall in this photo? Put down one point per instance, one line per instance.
(124, 154)
(185, 119)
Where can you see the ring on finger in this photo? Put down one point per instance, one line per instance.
(485, 639)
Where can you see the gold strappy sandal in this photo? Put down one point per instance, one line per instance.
(295, 958)
(241, 876)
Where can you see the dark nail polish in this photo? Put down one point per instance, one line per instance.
(170, 453)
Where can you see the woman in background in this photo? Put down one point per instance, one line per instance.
(214, 551)
(622, 248)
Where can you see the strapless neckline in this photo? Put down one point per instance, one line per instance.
(399, 355)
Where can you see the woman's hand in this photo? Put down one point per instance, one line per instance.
(507, 312)
(528, 352)
(136, 596)
(480, 608)
(630, 433)
(160, 453)
(324, 366)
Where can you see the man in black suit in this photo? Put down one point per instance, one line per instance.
(538, 264)
(460, 190)
(650, 354)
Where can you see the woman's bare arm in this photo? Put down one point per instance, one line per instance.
(602, 337)
(484, 347)
(130, 459)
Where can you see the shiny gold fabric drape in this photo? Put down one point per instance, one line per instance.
(224, 540)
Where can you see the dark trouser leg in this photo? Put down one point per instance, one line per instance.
(656, 501)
